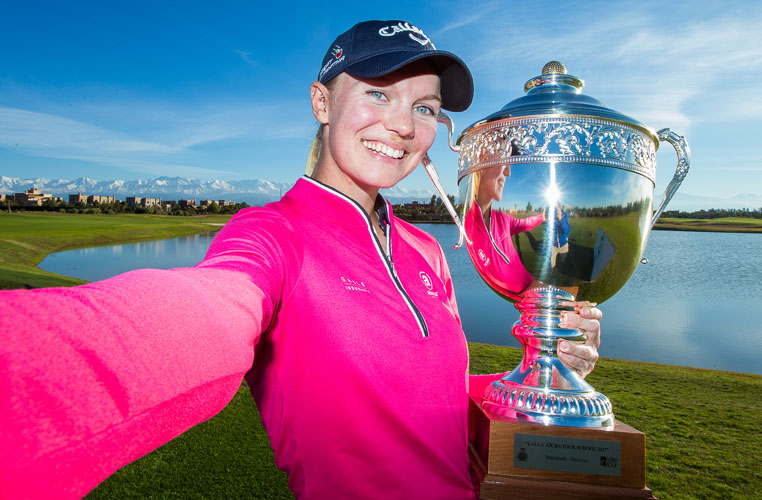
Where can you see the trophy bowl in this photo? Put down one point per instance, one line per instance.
(557, 194)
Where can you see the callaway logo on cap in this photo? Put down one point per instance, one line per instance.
(375, 48)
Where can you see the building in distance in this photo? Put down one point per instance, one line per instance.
(90, 199)
(135, 201)
(32, 198)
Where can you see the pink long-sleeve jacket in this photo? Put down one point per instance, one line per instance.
(354, 353)
(493, 252)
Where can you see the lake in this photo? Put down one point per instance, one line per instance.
(693, 304)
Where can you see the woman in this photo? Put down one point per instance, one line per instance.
(341, 317)
(491, 231)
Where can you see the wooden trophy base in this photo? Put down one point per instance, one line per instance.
(532, 461)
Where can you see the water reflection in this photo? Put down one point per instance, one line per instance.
(98, 263)
(491, 231)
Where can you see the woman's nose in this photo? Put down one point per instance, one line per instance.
(401, 122)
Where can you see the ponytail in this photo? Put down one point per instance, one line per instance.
(317, 143)
(314, 154)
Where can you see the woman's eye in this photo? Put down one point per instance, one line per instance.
(424, 110)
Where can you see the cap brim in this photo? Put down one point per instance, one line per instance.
(456, 83)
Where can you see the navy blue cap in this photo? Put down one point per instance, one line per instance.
(375, 48)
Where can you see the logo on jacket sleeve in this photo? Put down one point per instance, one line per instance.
(426, 279)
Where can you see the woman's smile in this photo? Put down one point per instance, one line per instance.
(383, 149)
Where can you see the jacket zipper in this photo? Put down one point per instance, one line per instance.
(390, 263)
(385, 257)
(494, 245)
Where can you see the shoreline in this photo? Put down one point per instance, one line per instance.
(23, 245)
(722, 225)
(710, 226)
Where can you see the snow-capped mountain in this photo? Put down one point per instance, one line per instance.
(398, 194)
(259, 192)
(251, 191)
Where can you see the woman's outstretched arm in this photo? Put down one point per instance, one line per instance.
(96, 376)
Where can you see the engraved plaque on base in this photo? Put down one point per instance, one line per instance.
(512, 459)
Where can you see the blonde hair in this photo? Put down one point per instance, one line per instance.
(315, 150)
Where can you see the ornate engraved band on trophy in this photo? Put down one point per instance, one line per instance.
(557, 194)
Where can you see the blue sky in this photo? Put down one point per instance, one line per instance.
(143, 89)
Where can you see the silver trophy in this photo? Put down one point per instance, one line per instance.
(557, 192)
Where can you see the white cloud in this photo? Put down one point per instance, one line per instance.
(190, 124)
(146, 137)
(153, 168)
(246, 57)
(660, 68)
(43, 132)
(463, 21)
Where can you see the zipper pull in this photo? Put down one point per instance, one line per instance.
(391, 266)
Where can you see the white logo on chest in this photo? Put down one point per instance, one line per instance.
(483, 257)
(426, 279)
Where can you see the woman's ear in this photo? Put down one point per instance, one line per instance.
(319, 98)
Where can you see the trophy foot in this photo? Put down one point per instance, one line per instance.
(528, 404)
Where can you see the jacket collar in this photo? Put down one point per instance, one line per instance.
(329, 203)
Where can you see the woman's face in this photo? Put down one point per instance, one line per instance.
(379, 129)
(492, 182)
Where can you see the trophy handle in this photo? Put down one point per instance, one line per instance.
(683, 164)
(445, 119)
(435, 179)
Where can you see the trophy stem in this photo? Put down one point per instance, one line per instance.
(542, 389)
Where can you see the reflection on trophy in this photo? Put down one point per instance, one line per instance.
(557, 192)
(491, 248)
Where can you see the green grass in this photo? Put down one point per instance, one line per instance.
(228, 456)
(702, 426)
(584, 231)
(702, 429)
(26, 238)
(723, 224)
